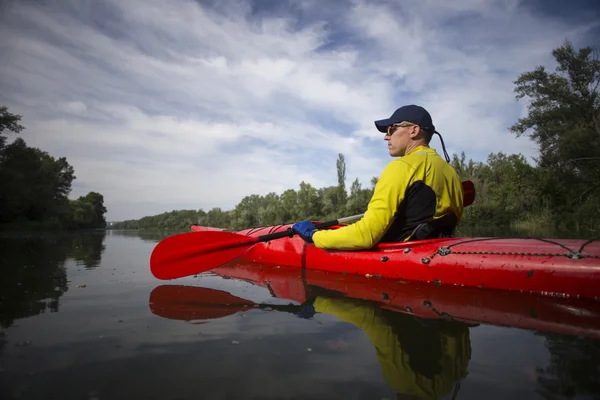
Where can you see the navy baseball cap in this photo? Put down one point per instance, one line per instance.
(411, 113)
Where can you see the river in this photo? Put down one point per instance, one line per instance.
(81, 317)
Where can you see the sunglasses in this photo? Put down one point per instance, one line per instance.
(392, 128)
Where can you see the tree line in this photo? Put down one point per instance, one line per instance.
(35, 187)
(270, 209)
(561, 191)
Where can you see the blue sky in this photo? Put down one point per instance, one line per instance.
(163, 105)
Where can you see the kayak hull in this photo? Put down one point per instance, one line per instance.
(555, 267)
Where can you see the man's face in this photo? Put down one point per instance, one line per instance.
(398, 136)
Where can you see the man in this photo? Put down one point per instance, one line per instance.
(418, 195)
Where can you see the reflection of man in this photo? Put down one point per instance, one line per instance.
(419, 359)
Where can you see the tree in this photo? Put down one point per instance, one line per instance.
(564, 120)
(88, 211)
(358, 199)
(8, 122)
(287, 206)
(34, 184)
(307, 204)
(465, 170)
(247, 212)
(267, 213)
(215, 217)
(329, 198)
(341, 177)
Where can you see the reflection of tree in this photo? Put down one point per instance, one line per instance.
(2, 342)
(32, 271)
(574, 367)
(152, 236)
(87, 248)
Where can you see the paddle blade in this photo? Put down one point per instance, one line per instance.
(188, 303)
(468, 193)
(191, 253)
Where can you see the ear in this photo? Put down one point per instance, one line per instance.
(415, 130)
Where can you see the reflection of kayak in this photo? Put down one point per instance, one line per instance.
(470, 305)
(559, 267)
(418, 358)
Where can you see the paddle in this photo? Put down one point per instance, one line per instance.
(468, 188)
(190, 253)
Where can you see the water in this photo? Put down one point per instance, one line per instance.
(82, 318)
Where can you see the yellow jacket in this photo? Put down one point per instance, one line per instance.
(392, 355)
(417, 188)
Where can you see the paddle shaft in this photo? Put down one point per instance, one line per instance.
(289, 232)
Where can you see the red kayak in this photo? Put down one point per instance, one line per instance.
(572, 316)
(556, 267)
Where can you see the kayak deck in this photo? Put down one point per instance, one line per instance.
(556, 267)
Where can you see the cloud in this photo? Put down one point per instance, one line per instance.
(162, 105)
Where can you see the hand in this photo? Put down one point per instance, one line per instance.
(305, 230)
(306, 310)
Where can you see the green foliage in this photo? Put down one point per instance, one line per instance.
(87, 212)
(358, 199)
(8, 122)
(178, 220)
(341, 175)
(564, 120)
(35, 187)
(563, 189)
(252, 211)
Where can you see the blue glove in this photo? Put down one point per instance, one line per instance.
(305, 230)
(307, 311)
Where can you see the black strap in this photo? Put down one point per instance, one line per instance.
(443, 147)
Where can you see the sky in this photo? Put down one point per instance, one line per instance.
(187, 104)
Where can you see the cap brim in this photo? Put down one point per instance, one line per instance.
(382, 124)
